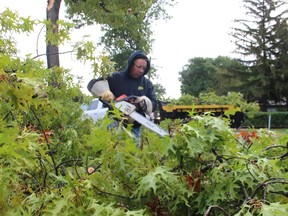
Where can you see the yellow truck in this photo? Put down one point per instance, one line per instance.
(169, 111)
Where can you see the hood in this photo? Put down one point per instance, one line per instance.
(136, 55)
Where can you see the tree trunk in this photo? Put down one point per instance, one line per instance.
(52, 51)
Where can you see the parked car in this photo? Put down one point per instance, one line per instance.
(94, 110)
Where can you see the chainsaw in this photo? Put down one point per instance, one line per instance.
(127, 105)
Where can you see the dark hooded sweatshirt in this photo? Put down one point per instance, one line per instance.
(122, 83)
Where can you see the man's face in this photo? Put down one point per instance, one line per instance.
(138, 68)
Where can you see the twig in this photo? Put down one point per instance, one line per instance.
(46, 139)
(275, 146)
(37, 42)
(245, 192)
(6, 116)
(45, 172)
(251, 173)
(75, 167)
(207, 167)
(111, 194)
(218, 207)
(266, 183)
(283, 156)
(54, 53)
(77, 160)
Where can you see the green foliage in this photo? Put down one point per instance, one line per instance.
(101, 64)
(61, 35)
(219, 75)
(53, 161)
(126, 24)
(11, 23)
(232, 98)
(186, 99)
(197, 76)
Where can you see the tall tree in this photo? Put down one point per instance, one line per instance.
(281, 61)
(260, 42)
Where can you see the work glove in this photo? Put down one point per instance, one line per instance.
(99, 87)
(145, 104)
(107, 96)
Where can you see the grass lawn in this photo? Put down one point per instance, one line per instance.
(284, 130)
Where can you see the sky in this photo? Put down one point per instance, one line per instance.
(198, 28)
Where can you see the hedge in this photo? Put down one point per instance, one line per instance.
(261, 120)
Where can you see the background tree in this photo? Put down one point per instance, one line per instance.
(281, 61)
(261, 41)
(197, 76)
(126, 24)
(160, 91)
(220, 75)
(230, 75)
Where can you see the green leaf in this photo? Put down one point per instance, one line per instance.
(153, 180)
(273, 209)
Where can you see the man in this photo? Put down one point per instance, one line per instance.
(131, 81)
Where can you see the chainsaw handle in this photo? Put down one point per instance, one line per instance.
(107, 104)
(130, 98)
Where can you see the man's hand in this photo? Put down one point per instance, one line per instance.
(107, 96)
(145, 104)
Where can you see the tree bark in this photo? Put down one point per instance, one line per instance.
(52, 51)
